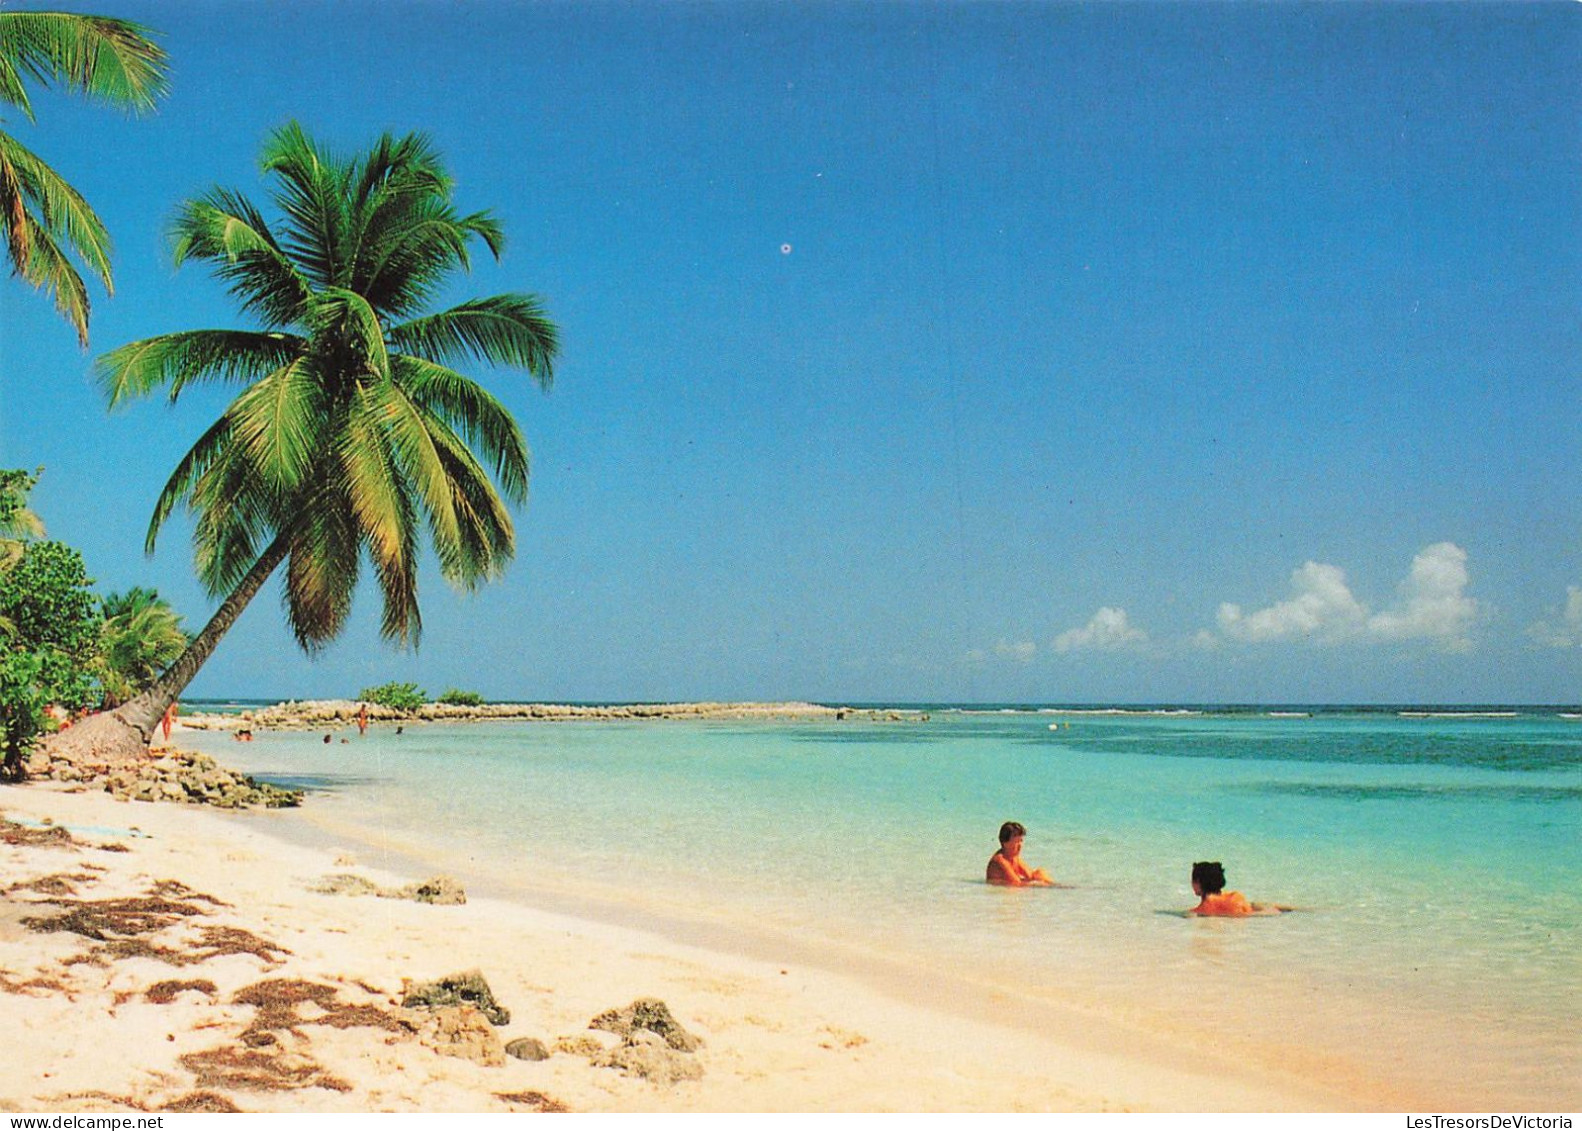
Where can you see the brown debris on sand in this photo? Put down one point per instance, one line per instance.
(531, 1101)
(202, 1103)
(54, 835)
(163, 993)
(101, 918)
(58, 883)
(255, 1070)
(122, 926)
(219, 941)
(277, 1001)
(46, 985)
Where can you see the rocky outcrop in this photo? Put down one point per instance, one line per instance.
(190, 779)
(441, 890)
(337, 714)
(462, 1031)
(654, 1045)
(527, 1048)
(647, 1055)
(650, 1015)
(467, 988)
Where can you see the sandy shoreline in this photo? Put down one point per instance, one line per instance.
(116, 1023)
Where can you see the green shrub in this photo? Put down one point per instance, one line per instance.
(456, 698)
(49, 633)
(397, 696)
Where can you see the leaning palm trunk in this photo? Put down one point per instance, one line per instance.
(123, 733)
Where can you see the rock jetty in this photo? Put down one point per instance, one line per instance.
(333, 714)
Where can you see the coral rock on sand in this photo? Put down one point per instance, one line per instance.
(193, 779)
(648, 1014)
(527, 1048)
(441, 890)
(467, 988)
(462, 1031)
(646, 1054)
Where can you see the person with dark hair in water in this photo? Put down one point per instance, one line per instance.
(1005, 866)
(1208, 884)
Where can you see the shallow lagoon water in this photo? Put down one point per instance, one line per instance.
(1437, 860)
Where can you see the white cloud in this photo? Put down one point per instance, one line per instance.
(1321, 608)
(1433, 606)
(1565, 630)
(1022, 652)
(1108, 630)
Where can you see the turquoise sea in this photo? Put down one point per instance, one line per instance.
(1436, 856)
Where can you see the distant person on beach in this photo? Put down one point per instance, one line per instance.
(1208, 884)
(169, 718)
(1006, 867)
(362, 719)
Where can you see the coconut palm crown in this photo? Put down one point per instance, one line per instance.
(351, 434)
(110, 60)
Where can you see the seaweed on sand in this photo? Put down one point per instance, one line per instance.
(163, 993)
(101, 918)
(51, 835)
(277, 999)
(57, 883)
(259, 1071)
(48, 985)
(532, 1101)
(219, 941)
(201, 1103)
(175, 889)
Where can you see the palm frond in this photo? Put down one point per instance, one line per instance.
(321, 571)
(282, 423)
(191, 356)
(114, 61)
(471, 410)
(311, 192)
(508, 329)
(485, 540)
(391, 444)
(226, 230)
(380, 491)
(209, 448)
(48, 269)
(42, 212)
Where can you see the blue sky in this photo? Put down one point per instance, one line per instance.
(1004, 352)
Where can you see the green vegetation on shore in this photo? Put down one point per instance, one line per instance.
(62, 648)
(397, 696)
(47, 645)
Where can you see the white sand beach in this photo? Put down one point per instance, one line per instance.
(233, 985)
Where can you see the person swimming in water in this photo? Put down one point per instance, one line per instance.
(1208, 884)
(1006, 867)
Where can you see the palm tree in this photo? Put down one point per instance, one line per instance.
(351, 433)
(107, 59)
(18, 524)
(141, 636)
